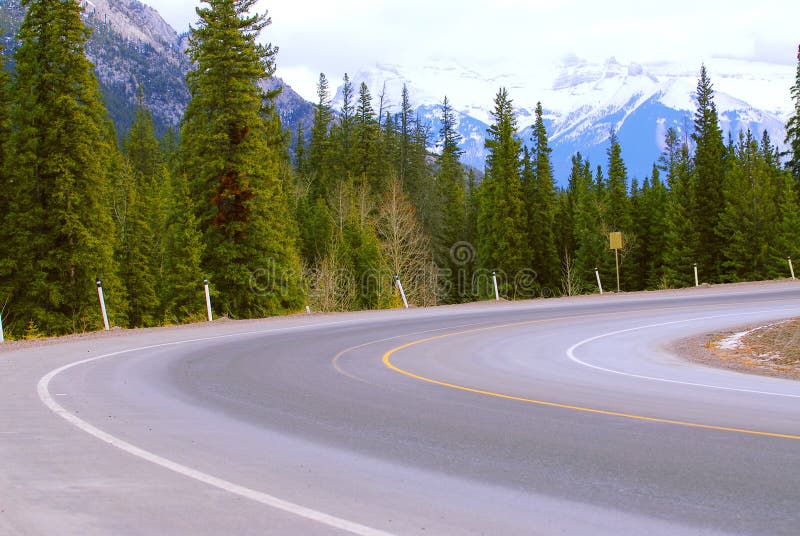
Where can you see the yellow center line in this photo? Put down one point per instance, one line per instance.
(388, 363)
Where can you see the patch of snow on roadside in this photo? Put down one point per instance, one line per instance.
(732, 342)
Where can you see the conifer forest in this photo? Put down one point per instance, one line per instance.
(330, 218)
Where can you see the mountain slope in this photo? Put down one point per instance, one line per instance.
(132, 46)
(583, 102)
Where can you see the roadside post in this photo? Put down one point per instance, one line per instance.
(208, 300)
(615, 240)
(400, 288)
(2, 337)
(791, 269)
(102, 304)
(597, 275)
(696, 280)
(494, 281)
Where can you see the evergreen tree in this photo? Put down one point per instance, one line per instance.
(342, 133)
(319, 147)
(145, 186)
(451, 185)
(58, 231)
(502, 218)
(182, 293)
(591, 230)
(654, 231)
(786, 243)
(681, 235)
(406, 128)
(747, 222)
(234, 151)
(618, 213)
(5, 132)
(542, 204)
(793, 130)
(709, 167)
(366, 134)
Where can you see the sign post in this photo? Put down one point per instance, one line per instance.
(494, 280)
(615, 240)
(102, 304)
(400, 288)
(696, 279)
(597, 275)
(791, 268)
(208, 300)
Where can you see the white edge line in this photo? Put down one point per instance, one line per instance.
(225, 485)
(572, 357)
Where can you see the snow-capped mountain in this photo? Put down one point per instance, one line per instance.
(583, 102)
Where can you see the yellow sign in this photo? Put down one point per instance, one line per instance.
(616, 240)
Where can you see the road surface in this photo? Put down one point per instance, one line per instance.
(566, 416)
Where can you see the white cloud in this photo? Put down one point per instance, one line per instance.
(510, 35)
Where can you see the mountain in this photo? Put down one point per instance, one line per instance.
(132, 46)
(583, 101)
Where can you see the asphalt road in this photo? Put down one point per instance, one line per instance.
(566, 416)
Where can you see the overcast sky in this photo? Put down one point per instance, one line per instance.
(341, 36)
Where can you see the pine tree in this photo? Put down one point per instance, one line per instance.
(746, 225)
(319, 147)
(709, 167)
(654, 231)
(451, 184)
(541, 200)
(182, 293)
(681, 235)
(342, 132)
(793, 130)
(786, 243)
(58, 230)
(144, 185)
(235, 152)
(5, 132)
(502, 218)
(591, 230)
(365, 134)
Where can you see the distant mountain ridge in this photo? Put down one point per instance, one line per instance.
(132, 45)
(585, 101)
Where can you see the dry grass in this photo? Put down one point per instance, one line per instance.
(772, 349)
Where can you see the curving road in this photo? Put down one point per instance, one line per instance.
(566, 416)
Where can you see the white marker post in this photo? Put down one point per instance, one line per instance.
(102, 304)
(208, 300)
(308, 309)
(496, 291)
(791, 270)
(400, 288)
(2, 337)
(696, 280)
(599, 284)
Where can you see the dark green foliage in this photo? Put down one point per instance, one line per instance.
(452, 221)
(58, 229)
(591, 230)
(681, 236)
(141, 192)
(542, 205)
(793, 130)
(502, 216)
(182, 295)
(234, 153)
(709, 168)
